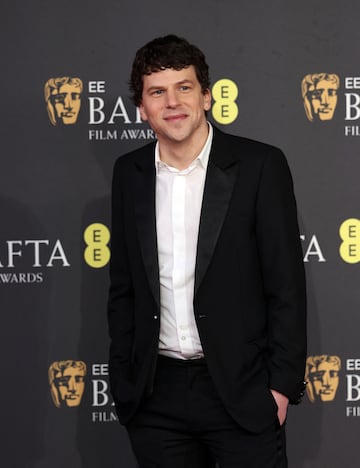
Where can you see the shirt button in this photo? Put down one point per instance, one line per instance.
(183, 327)
(183, 337)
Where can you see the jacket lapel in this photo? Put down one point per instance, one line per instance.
(220, 180)
(145, 216)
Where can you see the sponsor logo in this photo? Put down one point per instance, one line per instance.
(23, 261)
(350, 235)
(67, 382)
(322, 375)
(63, 99)
(320, 94)
(103, 117)
(97, 252)
(225, 109)
(67, 387)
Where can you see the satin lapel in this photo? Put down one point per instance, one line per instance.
(146, 222)
(217, 194)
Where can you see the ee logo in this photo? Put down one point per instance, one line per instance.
(225, 109)
(97, 252)
(350, 234)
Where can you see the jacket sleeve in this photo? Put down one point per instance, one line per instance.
(121, 296)
(281, 259)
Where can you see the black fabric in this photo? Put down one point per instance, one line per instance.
(185, 424)
(249, 297)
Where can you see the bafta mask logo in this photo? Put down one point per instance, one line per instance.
(319, 92)
(322, 375)
(66, 379)
(63, 99)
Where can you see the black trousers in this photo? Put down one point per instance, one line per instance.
(184, 425)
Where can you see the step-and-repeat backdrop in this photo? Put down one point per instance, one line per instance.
(287, 73)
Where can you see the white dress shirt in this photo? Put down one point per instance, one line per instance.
(178, 204)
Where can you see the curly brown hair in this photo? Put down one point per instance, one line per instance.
(166, 52)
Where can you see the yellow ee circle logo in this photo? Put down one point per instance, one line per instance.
(224, 93)
(350, 234)
(97, 252)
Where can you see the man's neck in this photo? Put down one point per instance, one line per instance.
(181, 154)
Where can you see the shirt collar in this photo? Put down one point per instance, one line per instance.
(202, 158)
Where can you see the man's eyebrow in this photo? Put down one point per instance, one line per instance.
(159, 86)
(186, 80)
(150, 88)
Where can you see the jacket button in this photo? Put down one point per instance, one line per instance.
(155, 317)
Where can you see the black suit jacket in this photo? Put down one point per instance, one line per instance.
(249, 296)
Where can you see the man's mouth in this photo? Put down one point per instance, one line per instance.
(175, 118)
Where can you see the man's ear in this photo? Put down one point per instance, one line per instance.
(142, 112)
(207, 100)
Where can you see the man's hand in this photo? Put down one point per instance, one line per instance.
(282, 403)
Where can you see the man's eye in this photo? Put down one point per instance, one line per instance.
(184, 88)
(157, 92)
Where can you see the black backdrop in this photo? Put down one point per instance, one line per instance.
(55, 183)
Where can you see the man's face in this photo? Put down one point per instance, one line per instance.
(323, 99)
(325, 380)
(174, 104)
(66, 102)
(71, 386)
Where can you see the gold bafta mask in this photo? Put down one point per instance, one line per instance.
(67, 382)
(322, 375)
(319, 92)
(63, 99)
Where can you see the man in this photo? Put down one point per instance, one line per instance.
(207, 297)
(67, 384)
(319, 92)
(322, 373)
(63, 99)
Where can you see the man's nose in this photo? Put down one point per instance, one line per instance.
(172, 98)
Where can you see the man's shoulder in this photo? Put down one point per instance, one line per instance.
(234, 147)
(141, 156)
(243, 142)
